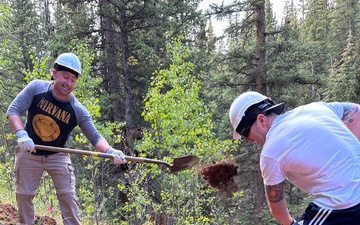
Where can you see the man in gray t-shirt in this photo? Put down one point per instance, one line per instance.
(52, 112)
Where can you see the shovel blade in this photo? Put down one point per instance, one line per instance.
(184, 163)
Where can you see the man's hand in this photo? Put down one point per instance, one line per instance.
(25, 142)
(119, 157)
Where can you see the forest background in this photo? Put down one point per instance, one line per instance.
(159, 84)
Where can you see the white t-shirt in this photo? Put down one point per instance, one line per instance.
(312, 148)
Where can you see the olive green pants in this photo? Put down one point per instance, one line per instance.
(29, 169)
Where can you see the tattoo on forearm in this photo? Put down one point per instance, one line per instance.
(275, 193)
(349, 111)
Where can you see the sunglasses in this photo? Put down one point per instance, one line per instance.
(246, 131)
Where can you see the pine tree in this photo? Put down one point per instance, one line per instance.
(344, 81)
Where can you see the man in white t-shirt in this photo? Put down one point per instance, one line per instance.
(315, 147)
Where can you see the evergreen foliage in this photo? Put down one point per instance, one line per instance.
(344, 79)
(156, 95)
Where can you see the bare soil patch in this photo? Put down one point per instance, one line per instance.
(9, 216)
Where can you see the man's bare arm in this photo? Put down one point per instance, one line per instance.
(15, 122)
(275, 195)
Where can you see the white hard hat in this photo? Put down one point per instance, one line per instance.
(70, 61)
(243, 102)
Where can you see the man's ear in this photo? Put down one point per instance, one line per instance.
(53, 73)
(262, 119)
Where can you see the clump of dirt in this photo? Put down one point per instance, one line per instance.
(9, 216)
(221, 176)
(45, 220)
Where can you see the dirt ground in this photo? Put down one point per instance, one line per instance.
(10, 216)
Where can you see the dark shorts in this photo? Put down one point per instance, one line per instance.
(315, 215)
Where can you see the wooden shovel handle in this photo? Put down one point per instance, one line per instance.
(99, 154)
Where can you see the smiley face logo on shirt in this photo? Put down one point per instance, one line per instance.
(45, 127)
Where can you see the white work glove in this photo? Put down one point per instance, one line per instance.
(25, 142)
(119, 157)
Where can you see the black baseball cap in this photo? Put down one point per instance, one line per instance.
(260, 108)
(59, 67)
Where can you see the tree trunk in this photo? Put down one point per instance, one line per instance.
(124, 38)
(111, 71)
(260, 49)
(259, 194)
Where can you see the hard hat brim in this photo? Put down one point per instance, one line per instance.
(236, 135)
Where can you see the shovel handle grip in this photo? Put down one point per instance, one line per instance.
(99, 154)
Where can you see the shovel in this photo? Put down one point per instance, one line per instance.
(179, 164)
